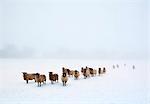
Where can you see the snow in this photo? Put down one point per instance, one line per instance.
(121, 85)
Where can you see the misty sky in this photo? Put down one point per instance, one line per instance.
(81, 29)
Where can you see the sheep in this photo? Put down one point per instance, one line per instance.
(64, 79)
(28, 77)
(64, 70)
(76, 74)
(82, 69)
(104, 70)
(99, 71)
(71, 73)
(40, 78)
(68, 71)
(57, 77)
(91, 71)
(53, 77)
(86, 72)
(94, 72)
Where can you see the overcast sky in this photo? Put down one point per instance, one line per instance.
(80, 29)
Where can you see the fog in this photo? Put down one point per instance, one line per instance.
(78, 29)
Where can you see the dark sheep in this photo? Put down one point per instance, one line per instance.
(53, 77)
(28, 77)
(40, 79)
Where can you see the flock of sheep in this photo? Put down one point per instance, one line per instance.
(53, 77)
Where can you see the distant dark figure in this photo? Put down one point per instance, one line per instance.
(68, 72)
(133, 67)
(124, 64)
(99, 71)
(82, 69)
(113, 66)
(117, 66)
(104, 70)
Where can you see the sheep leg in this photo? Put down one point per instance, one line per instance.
(27, 81)
(84, 77)
(65, 83)
(45, 81)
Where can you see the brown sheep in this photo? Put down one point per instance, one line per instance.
(56, 76)
(40, 78)
(68, 71)
(53, 77)
(83, 70)
(64, 70)
(86, 72)
(64, 79)
(28, 77)
(76, 74)
(91, 71)
(94, 72)
(71, 73)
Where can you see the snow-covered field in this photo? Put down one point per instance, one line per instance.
(121, 85)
